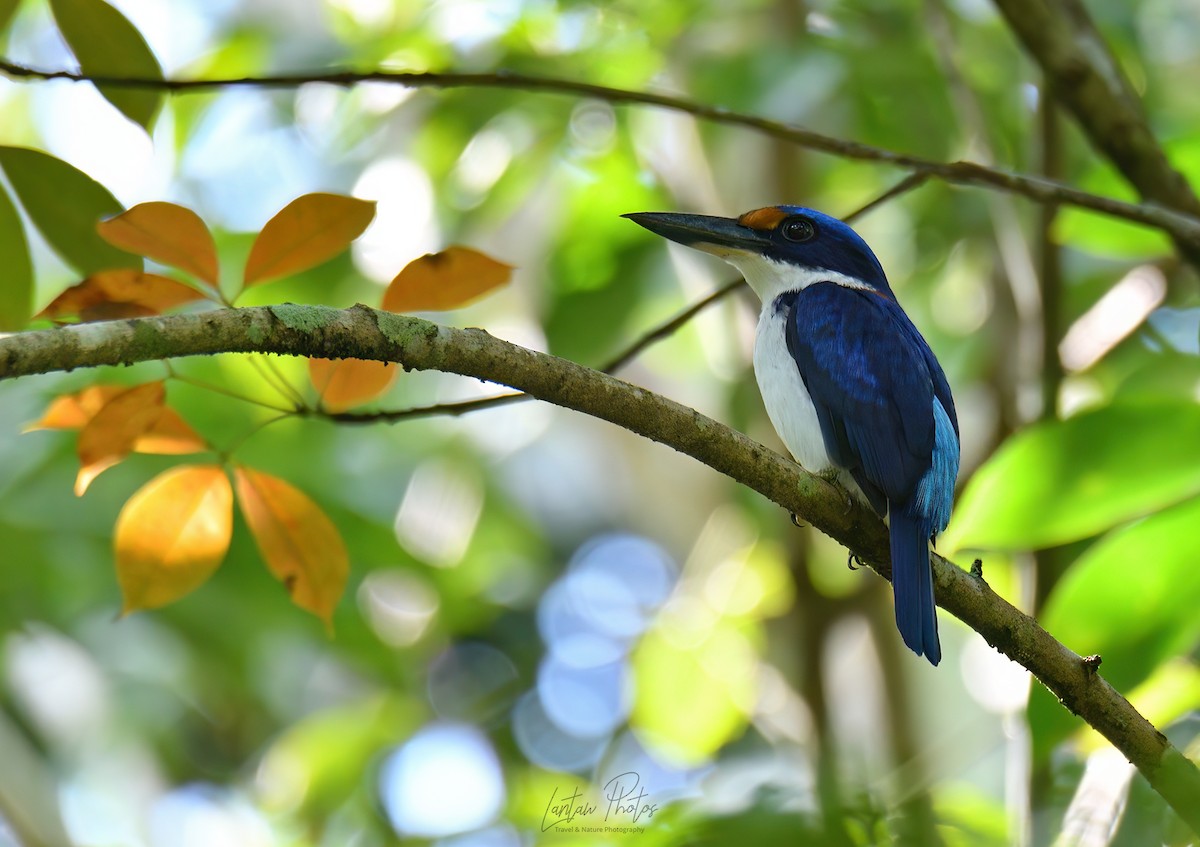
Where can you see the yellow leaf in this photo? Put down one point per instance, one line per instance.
(168, 234)
(172, 535)
(308, 231)
(73, 411)
(112, 432)
(446, 280)
(345, 383)
(301, 546)
(120, 293)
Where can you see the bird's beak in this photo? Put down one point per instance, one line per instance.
(720, 236)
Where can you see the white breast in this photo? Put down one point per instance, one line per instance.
(783, 392)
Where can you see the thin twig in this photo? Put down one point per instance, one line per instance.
(1183, 227)
(670, 327)
(453, 410)
(910, 182)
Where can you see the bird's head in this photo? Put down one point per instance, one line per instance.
(777, 248)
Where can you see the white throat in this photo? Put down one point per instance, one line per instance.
(770, 278)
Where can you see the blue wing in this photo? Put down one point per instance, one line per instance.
(887, 416)
(873, 380)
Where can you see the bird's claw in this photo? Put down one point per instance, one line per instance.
(834, 477)
(795, 520)
(853, 561)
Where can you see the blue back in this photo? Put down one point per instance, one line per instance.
(873, 381)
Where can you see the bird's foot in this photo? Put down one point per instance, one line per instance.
(834, 477)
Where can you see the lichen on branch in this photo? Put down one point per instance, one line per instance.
(365, 333)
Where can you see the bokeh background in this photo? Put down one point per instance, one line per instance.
(538, 601)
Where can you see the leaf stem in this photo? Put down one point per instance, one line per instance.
(228, 392)
(227, 454)
(273, 377)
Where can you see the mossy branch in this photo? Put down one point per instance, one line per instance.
(417, 344)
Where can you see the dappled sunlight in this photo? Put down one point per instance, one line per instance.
(404, 227)
(439, 512)
(398, 605)
(472, 681)
(315, 602)
(204, 816)
(446, 779)
(549, 746)
(1113, 317)
(994, 681)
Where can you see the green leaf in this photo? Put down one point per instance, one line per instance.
(65, 204)
(710, 671)
(7, 9)
(16, 282)
(1105, 235)
(318, 761)
(1063, 481)
(1132, 599)
(107, 44)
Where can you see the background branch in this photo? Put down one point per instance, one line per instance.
(1084, 75)
(417, 344)
(1184, 228)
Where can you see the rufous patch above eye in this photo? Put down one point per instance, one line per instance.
(764, 219)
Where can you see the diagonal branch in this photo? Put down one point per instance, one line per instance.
(1185, 228)
(1085, 76)
(463, 407)
(417, 344)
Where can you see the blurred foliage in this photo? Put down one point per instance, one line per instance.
(558, 602)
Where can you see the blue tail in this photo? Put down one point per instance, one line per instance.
(912, 582)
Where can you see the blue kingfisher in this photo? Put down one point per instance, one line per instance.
(849, 383)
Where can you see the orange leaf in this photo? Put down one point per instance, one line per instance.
(123, 292)
(172, 535)
(169, 234)
(308, 231)
(446, 280)
(300, 545)
(112, 432)
(73, 411)
(170, 435)
(345, 383)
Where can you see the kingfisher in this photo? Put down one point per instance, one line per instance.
(848, 381)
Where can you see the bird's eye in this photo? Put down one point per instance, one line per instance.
(798, 229)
